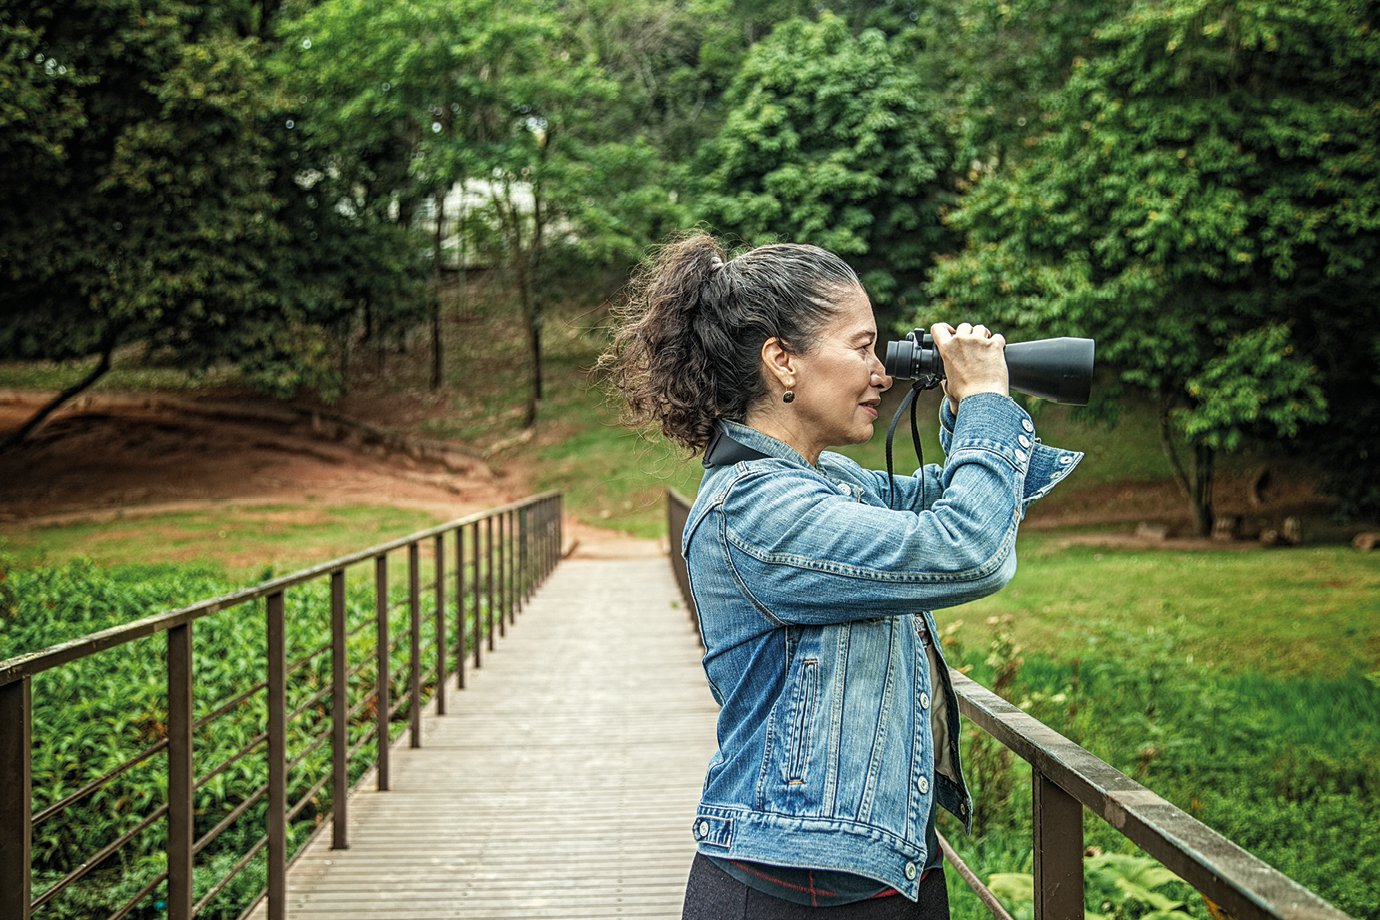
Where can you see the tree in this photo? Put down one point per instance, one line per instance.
(153, 203)
(831, 139)
(1203, 203)
(135, 214)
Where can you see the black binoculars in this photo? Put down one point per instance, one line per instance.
(1059, 370)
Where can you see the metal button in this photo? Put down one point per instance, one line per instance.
(703, 829)
(963, 808)
(1025, 423)
(1023, 441)
(924, 701)
(910, 871)
(923, 785)
(1065, 460)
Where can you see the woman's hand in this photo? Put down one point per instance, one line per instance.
(974, 361)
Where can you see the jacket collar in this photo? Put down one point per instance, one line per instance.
(734, 442)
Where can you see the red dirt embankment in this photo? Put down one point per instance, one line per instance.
(154, 452)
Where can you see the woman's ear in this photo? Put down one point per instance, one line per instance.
(779, 362)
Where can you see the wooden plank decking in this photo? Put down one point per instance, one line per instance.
(561, 783)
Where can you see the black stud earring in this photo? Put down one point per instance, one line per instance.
(788, 396)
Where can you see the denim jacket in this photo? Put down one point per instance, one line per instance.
(838, 722)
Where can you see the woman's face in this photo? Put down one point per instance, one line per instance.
(839, 383)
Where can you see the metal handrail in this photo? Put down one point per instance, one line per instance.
(22, 666)
(502, 570)
(1067, 779)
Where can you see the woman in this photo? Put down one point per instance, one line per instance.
(838, 732)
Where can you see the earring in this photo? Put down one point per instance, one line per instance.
(788, 396)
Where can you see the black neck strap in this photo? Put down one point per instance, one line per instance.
(723, 450)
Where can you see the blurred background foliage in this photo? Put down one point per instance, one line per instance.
(273, 185)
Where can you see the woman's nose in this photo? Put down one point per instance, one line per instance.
(881, 381)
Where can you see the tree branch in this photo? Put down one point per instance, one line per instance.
(36, 421)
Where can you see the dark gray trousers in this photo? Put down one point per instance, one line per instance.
(712, 894)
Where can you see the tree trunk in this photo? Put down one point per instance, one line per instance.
(535, 305)
(436, 356)
(39, 417)
(1204, 467)
(1167, 444)
(1194, 482)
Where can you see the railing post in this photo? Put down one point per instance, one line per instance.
(510, 594)
(440, 553)
(489, 577)
(414, 657)
(382, 669)
(340, 717)
(1058, 843)
(461, 630)
(277, 758)
(522, 557)
(181, 788)
(478, 587)
(503, 574)
(16, 798)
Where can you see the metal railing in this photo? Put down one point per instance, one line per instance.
(495, 558)
(1066, 779)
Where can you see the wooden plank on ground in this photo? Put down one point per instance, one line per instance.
(561, 784)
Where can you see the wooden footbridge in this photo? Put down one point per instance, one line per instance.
(522, 740)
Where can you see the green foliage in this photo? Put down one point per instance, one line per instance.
(92, 715)
(1245, 753)
(831, 139)
(1117, 886)
(1202, 194)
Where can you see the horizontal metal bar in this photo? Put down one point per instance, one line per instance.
(228, 877)
(235, 814)
(101, 856)
(296, 810)
(233, 759)
(225, 707)
(97, 783)
(22, 666)
(144, 892)
(1241, 884)
(985, 895)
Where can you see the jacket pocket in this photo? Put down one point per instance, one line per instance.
(802, 721)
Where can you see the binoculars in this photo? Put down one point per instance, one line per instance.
(1059, 370)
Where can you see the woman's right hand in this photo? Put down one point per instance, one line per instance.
(974, 361)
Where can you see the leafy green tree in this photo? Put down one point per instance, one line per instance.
(1001, 63)
(136, 214)
(1205, 204)
(832, 139)
(152, 144)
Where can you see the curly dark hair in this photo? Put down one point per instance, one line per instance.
(689, 331)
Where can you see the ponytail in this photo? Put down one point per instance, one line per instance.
(687, 344)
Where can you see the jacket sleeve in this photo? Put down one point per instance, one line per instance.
(805, 553)
(1048, 465)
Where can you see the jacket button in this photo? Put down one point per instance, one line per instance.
(1025, 423)
(923, 785)
(703, 829)
(924, 701)
(1023, 441)
(910, 871)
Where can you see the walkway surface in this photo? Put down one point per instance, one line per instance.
(561, 783)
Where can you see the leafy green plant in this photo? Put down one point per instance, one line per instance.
(1117, 886)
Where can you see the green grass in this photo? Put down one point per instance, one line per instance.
(125, 374)
(1286, 612)
(245, 540)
